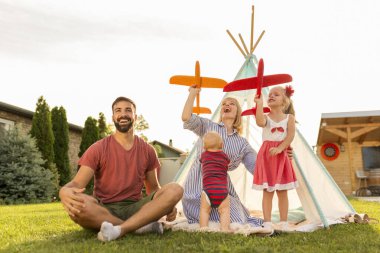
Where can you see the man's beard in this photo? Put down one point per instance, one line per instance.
(125, 127)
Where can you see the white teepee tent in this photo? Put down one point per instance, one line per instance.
(317, 202)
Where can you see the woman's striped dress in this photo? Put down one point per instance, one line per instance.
(239, 151)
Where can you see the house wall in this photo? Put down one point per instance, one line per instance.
(75, 139)
(169, 168)
(168, 153)
(25, 125)
(340, 168)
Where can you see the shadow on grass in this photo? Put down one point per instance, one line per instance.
(52, 231)
(339, 238)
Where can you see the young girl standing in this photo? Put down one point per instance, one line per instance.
(273, 169)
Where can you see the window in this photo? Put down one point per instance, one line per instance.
(6, 124)
(371, 157)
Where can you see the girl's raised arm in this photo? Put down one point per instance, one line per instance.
(260, 117)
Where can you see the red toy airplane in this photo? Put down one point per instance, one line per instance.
(200, 82)
(257, 82)
(252, 111)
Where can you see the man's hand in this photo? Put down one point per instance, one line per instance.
(72, 200)
(172, 215)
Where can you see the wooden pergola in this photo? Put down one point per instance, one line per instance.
(360, 127)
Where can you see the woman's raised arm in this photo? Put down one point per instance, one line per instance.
(188, 108)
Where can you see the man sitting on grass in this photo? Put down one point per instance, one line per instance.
(120, 164)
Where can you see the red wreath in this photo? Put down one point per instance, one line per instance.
(330, 151)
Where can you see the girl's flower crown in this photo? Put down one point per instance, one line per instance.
(289, 90)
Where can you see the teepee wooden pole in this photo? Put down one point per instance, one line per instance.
(233, 39)
(242, 42)
(258, 40)
(252, 29)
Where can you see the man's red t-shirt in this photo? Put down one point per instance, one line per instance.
(119, 174)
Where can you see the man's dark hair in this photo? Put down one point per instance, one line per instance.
(117, 100)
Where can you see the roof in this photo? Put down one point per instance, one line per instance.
(363, 125)
(350, 114)
(29, 114)
(176, 150)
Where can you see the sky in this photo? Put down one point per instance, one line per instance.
(82, 54)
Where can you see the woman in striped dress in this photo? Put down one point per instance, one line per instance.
(235, 146)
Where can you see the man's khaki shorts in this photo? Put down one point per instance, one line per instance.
(126, 208)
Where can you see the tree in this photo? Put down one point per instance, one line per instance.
(158, 150)
(43, 133)
(61, 144)
(23, 179)
(141, 124)
(104, 128)
(90, 135)
(102, 125)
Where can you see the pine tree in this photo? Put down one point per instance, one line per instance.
(90, 135)
(23, 179)
(102, 124)
(43, 133)
(61, 144)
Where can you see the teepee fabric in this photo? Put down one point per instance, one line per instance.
(317, 202)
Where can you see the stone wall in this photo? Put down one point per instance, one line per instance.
(24, 122)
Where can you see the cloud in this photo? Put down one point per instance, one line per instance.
(32, 32)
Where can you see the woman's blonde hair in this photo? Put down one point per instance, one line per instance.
(238, 119)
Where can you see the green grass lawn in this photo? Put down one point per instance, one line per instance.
(47, 228)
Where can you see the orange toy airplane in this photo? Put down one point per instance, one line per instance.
(200, 82)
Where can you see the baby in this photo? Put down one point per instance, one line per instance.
(214, 178)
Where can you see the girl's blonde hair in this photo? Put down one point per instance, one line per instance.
(288, 103)
(238, 119)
